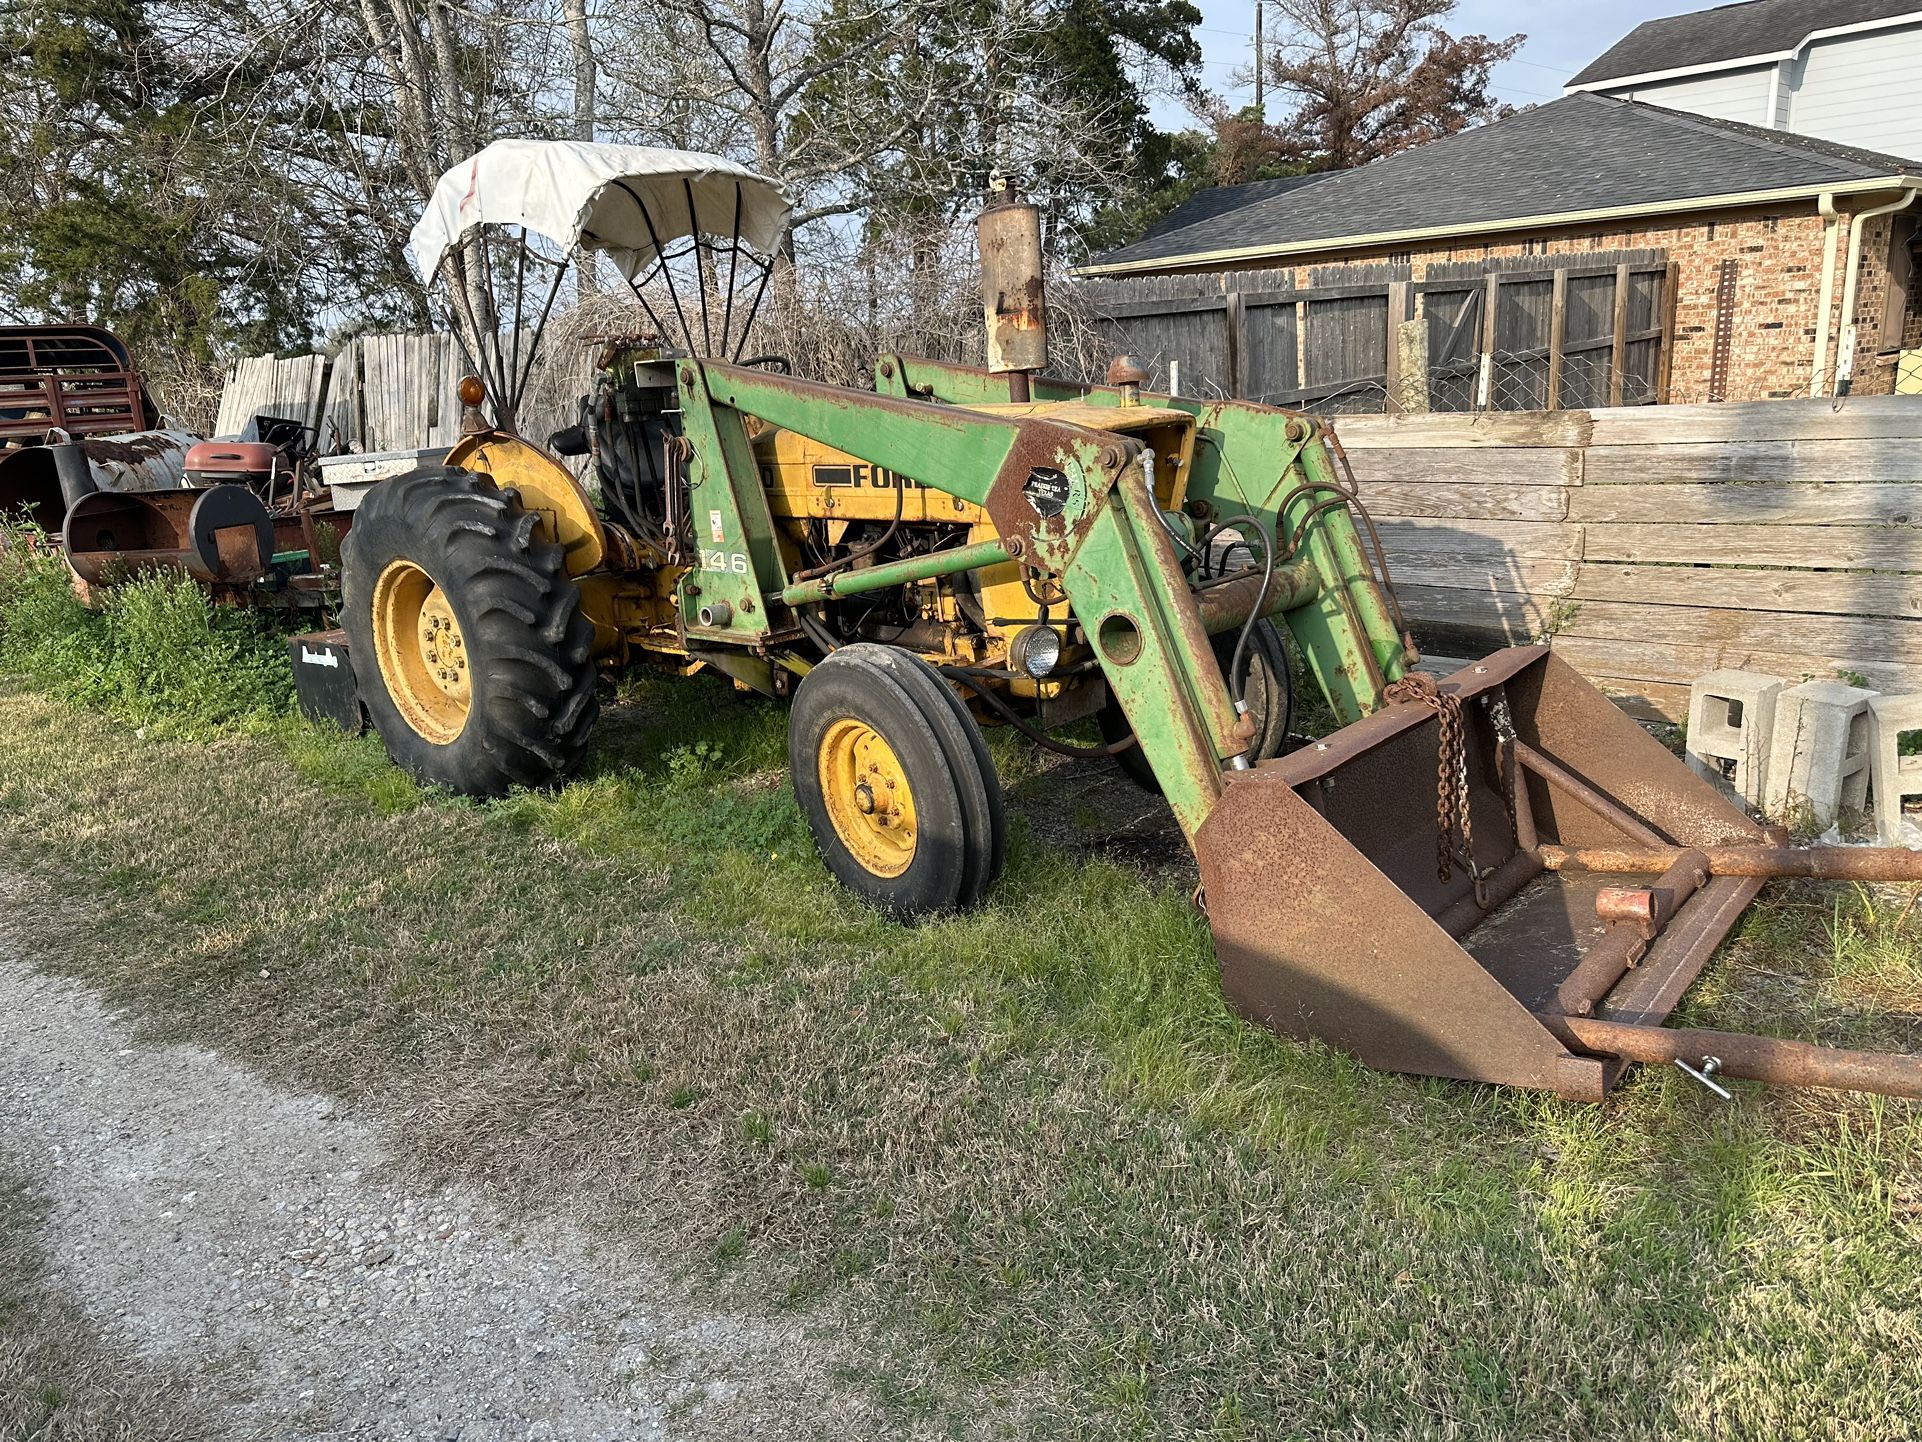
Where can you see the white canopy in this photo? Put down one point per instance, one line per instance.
(580, 193)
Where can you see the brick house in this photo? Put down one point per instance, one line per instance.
(1770, 235)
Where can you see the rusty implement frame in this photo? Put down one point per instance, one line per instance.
(1600, 877)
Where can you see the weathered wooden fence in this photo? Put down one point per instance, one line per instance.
(1658, 544)
(262, 385)
(1517, 333)
(385, 393)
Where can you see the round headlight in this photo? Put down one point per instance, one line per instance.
(1036, 650)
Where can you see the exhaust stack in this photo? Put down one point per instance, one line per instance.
(1013, 292)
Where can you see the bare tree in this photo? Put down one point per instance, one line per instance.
(1367, 78)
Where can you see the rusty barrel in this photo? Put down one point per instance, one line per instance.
(222, 536)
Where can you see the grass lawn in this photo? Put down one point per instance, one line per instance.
(1029, 1149)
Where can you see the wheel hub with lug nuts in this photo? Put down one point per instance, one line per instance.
(443, 647)
(868, 798)
(421, 651)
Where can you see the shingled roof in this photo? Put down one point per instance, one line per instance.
(1760, 29)
(1584, 153)
(1220, 199)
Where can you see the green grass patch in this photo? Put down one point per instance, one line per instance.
(153, 651)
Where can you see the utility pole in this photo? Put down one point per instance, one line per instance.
(1261, 105)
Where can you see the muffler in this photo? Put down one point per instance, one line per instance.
(1504, 878)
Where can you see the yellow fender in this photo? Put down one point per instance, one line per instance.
(563, 513)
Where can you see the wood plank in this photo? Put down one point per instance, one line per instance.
(1491, 318)
(1893, 548)
(1859, 418)
(1516, 619)
(1480, 576)
(1557, 335)
(1618, 337)
(1442, 428)
(1836, 593)
(1849, 638)
(1679, 663)
(339, 423)
(1466, 465)
(1511, 540)
(1803, 505)
(1466, 500)
(1827, 462)
(1671, 284)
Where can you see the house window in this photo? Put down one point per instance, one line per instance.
(1535, 245)
(1401, 257)
(1711, 230)
(1771, 223)
(1902, 287)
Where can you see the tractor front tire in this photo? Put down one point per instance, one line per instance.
(469, 647)
(896, 783)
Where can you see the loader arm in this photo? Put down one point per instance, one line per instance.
(1068, 500)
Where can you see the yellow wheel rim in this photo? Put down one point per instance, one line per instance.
(867, 797)
(422, 654)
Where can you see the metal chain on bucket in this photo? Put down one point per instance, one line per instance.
(1452, 824)
(1504, 724)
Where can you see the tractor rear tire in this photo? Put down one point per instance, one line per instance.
(896, 783)
(1264, 686)
(469, 647)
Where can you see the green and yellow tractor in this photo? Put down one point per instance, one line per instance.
(962, 547)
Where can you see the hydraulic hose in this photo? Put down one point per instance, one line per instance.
(1267, 538)
(1034, 733)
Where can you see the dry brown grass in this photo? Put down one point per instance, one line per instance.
(1028, 1147)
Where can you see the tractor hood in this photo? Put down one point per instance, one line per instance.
(630, 201)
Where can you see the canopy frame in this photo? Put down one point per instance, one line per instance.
(498, 312)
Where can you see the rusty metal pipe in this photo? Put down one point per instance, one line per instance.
(1510, 877)
(1225, 607)
(1602, 805)
(1758, 1058)
(1824, 863)
(1608, 960)
(1526, 836)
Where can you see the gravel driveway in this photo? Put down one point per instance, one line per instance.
(268, 1247)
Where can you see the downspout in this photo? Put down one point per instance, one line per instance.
(1845, 354)
(1824, 313)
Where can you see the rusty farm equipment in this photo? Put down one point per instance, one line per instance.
(76, 419)
(1495, 876)
(83, 462)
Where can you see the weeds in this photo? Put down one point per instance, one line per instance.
(153, 651)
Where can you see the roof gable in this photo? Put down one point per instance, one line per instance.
(1583, 152)
(1755, 30)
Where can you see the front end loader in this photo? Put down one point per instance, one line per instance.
(1498, 876)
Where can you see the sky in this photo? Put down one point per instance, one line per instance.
(1563, 36)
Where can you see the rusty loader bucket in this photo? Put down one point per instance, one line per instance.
(1586, 878)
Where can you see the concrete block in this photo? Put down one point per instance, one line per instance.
(1897, 778)
(1731, 719)
(1819, 752)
